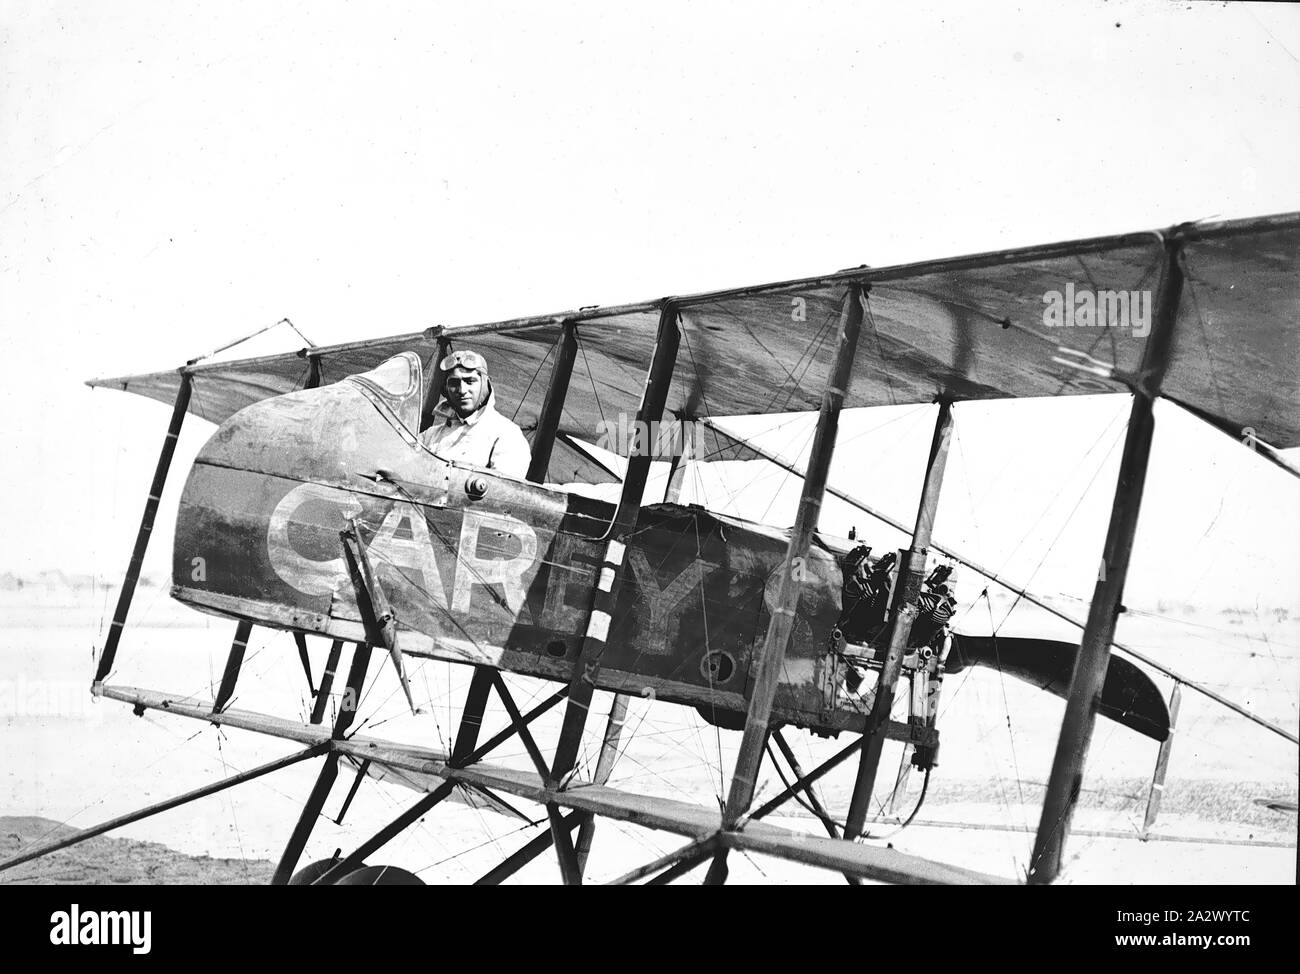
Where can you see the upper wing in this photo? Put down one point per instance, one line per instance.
(963, 328)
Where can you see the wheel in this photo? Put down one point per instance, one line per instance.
(381, 876)
(313, 871)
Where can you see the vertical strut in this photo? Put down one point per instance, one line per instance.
(543, 441)
(548, 422)
(352, 694)
(676, 477)
(233, 662)
(362, 770)
(301, 641)
(653, 399)
(485, 677)
(553, 406)
(146, 528)
(570, 871)
(326, 682)
(604, 767)
(298, 838)
(1090, 665)
(767, 666)
(328, 772)
(1162, 761)
(471, 715)
(911, 569)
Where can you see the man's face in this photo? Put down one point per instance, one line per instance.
(464, 390)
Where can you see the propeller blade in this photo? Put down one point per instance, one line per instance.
(1128, 697)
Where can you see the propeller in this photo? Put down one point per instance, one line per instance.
(1129, 696)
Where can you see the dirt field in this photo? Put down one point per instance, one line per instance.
(108, 861)
(71, 761)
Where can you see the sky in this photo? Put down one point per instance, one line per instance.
(176, 175)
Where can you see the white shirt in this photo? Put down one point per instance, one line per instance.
(485, 438)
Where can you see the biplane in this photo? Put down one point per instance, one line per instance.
(316, 509)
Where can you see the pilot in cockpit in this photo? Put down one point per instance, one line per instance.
(466, 426)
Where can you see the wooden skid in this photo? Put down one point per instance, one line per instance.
(663, 814)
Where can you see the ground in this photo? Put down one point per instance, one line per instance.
(108, 861)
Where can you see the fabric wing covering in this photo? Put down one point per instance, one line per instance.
(966, 328)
